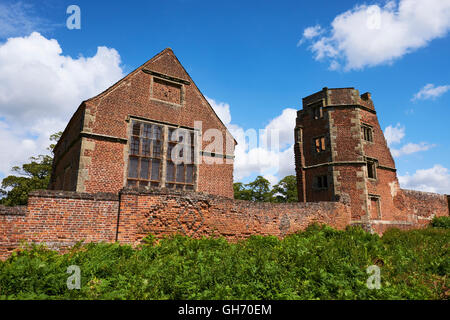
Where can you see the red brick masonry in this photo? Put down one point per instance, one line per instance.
(60, 219)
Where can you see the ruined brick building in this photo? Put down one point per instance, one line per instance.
(340, 149)
(115, 179)
(124, 136)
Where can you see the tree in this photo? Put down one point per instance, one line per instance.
(30, 176)
(240, 192)
(286, 190)
(258, 190)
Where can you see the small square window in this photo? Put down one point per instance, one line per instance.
(371, 169)
(319, 144)
(375, 207)
(321, 182)
(317, 112)
(367, 133)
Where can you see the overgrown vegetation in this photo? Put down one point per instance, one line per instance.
(319, 263)
(441, 222)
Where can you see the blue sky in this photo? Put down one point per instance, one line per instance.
(245, 55)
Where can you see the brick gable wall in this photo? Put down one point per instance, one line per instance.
(101, 154)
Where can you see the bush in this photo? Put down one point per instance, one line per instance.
(441, 222)
(319, 263)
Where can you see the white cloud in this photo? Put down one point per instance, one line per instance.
(394, 135)
(256, 153)
(367, 36)
(429, 91)
(40, 89)
(435, 179)
(309, 33)
(222, 110)
(410, 148)
(283, 127)
(17, 19)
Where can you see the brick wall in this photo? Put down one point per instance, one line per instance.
(11, 222)
(197, 215)
(60, 219)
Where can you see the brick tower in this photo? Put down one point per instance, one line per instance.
(340, 149)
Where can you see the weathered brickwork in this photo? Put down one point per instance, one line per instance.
(60, 219)
(354, 139)
(92, 154)
(197, 215)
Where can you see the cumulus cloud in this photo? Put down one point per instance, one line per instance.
(430, 91)
(222, 110)
(367, 36)
(435, 179)
(268, 152)
(40, 88)
(394, 135)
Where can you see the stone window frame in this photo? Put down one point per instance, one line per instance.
(298, 134)
(367, 128)
(318, 182)
(378, 200)
(374, 162)
(163, 164)
(177, 184)
(139, 155)
(172, 81)
(314, 146)
(317, 111)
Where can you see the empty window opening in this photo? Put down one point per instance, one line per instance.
(375, 207)
(298, 134)
(367, 133)
(319, 144)
(371, 169)
(321, 182)
(317, 112)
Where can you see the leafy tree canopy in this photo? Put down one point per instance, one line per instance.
(30, 176)
(260, 191)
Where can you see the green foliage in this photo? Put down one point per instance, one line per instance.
(319, 263)
(30, 176)
(240, 192)
(286, 190)
(441, 222)
(259, 190)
